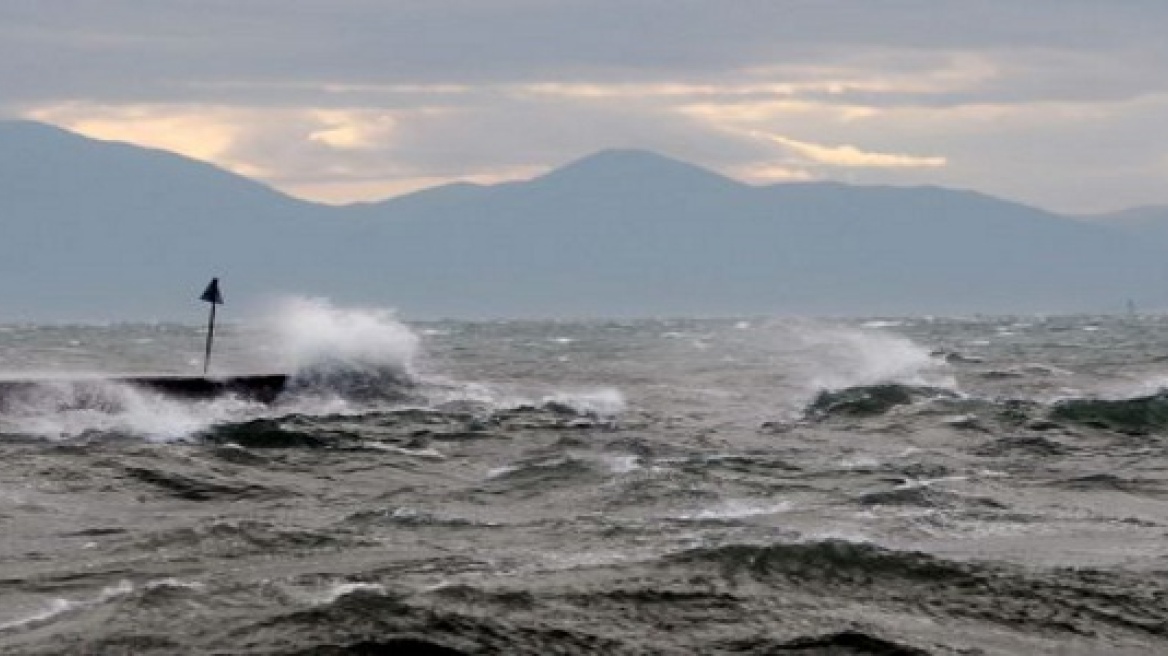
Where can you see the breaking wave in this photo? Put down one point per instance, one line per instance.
(355, 354)
(343, 363)
(838, 357)
(90, 407)
(812, 357)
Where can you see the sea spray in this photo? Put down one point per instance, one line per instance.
(354, 353)
(833, 356)
(63, 410)
(789, 362)
(314, 333)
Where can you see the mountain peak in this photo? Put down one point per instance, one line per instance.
(621, 166)
(631, 157)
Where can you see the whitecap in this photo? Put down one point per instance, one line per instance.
(604, 402)
(55, 607)
(61, 606)
(737, 509)
(334, 592)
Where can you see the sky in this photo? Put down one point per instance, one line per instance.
(1058, 103)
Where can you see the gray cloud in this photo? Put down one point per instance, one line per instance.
(156, 48)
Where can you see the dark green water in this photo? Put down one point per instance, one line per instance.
(904, 486)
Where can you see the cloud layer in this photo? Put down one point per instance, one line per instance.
(1059, 103)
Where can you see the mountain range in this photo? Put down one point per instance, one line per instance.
(96, 230)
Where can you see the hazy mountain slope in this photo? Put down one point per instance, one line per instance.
(1149, 224)
(101, 230)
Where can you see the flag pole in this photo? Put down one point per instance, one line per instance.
(213, 296)
(210, 339)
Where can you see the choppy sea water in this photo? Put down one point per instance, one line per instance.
(758, 486)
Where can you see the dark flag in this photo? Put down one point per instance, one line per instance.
(211, 294)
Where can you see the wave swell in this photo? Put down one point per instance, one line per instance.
(1135, 416)
(870, 400)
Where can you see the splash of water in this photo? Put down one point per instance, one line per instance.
(803, 357)
(836, 357)
(69, 409)
(312, 333)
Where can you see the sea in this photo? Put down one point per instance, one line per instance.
(895, 485)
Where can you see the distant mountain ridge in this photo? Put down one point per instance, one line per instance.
(100, 230)
(1148, 223)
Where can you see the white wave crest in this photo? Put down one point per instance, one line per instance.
(604, 402)
(70, 409)
(337, 590)
(58, 607)
(737, 509)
